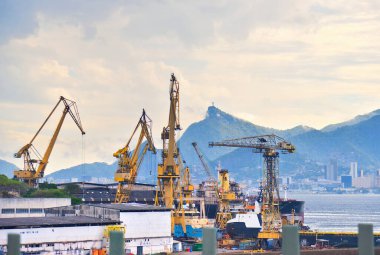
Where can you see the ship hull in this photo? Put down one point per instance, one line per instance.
(239, 230)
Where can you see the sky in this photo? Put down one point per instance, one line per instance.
(274, 63)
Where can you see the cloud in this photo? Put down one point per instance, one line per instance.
(277, 63)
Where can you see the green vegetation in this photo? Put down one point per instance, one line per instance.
(9, 187)
(14, 188)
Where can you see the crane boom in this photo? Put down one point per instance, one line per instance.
(203, 161)
(169, 183)
(30, 174)
(269, 146)
(129, 162)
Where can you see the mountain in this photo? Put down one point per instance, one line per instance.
(7, 168)
(356, 140)
(219, 125)
(97, 170)
(351, 122)
(106, 171)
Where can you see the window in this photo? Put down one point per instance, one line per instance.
(22, 210)
(36, 210)
(7, 210)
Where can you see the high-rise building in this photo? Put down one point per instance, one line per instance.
(332, 170)
(346, 180)
(354, 169)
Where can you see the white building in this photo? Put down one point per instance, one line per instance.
(78, 229)
(147, 226)
(55, 235)
(354, 169)
(29, 207)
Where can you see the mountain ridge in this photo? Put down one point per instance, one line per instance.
(353, 140)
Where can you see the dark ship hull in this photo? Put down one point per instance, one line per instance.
(286, 208)
(244, 226)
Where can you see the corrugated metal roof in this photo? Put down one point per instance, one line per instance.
(133, 207)
(39, 222)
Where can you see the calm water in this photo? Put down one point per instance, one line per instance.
(333, 212)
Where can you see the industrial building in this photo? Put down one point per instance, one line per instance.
(94, 193)
(29, 207)
(81, 228)
(55, 235)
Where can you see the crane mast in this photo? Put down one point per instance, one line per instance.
(34, 168)
(129, 161)
(169, 172)
(269, 146)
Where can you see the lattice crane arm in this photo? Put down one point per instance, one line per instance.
(30, 174)
(203, 161)
(130, 162)
(260, 143)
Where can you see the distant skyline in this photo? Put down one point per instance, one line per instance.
(274, 63)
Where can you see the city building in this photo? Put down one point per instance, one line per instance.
(362, 181)
(354, 169)
(346, 181)
(29, 207)
(332, 170)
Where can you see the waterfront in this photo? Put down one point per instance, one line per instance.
(340, 212)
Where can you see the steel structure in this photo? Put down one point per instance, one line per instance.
(203, 161)
(225, 195)
(129, 161)
(270, 146)
(34, 168)
(169, 171)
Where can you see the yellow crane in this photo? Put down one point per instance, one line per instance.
(169, 171)
(34, 168)
(225, 197)
(269, 146)
(129, 161)
(223, 190)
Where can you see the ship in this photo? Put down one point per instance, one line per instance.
(195, 221)
(246, 222)
(244, 225)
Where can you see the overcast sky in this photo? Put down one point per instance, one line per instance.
(274, 63)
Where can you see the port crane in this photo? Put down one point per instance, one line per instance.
(34, 169)
(169, 171)
(129, 161)
(225, 195)
(270, 146)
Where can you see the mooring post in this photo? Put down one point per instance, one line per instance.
(13, 245)
(117, 243)
(290, 240)
(209, 241)
(365, 239)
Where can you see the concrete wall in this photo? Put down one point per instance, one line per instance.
(62, 239)
(152, 230)
(21, 207)
(146, 224)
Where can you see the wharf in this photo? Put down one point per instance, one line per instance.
(351, 251)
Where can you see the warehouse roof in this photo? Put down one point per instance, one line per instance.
(133, 207)
(55, 221)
